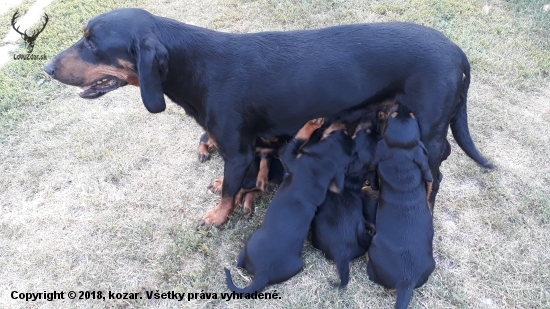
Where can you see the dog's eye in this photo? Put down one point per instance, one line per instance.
(89, 44)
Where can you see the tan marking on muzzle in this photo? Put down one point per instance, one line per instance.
(71, 66)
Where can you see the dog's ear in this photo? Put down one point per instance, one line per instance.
(152, 65)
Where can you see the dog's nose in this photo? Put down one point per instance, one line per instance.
(49, 68)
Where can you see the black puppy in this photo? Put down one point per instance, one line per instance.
(400, 255)
(265, 171)
(265, 150)
(271, 169)
(339, 228)
(272, 254)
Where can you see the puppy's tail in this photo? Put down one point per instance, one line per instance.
(459, 121)
(404, 296)
(258, 284)
(343, 272)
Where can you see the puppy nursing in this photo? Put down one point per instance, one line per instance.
(272, 254)
(339, 228)
(324, 188)
(400, 255)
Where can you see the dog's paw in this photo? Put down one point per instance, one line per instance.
(203, 152)
(213, 218)
(216, 185)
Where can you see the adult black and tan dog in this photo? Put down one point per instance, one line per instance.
(273, 252)
(400, 255)
(339, 228)
(236, 85)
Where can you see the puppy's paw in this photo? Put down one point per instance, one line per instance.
(312, 125)
(262, 183)
(247, 211)
(248, 203)
(316, 123)
(216, 185)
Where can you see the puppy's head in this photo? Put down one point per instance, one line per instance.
(115, 51)
(365, 141)
(402, 130)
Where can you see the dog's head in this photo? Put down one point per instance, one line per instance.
(117, 48)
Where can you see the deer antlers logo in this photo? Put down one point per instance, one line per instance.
(29, 39)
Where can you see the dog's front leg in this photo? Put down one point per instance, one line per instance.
(235, 168)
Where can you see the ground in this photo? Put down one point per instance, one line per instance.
(101, 195)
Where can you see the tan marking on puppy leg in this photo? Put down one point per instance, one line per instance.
(239, 196)
(248, 203)
(333, 127)
(216, 185)
(262, 179)
(306, 131)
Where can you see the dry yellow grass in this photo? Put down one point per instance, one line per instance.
(101, 195)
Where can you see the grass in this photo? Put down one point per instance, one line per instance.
(101, 195)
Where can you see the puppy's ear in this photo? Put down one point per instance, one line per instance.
(152, 65)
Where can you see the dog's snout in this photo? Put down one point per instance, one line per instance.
(49, 68)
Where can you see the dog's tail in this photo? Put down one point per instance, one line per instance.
(459, 121)
(404, 296)
(258, 284)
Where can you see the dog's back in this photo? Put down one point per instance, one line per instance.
(400, 255)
